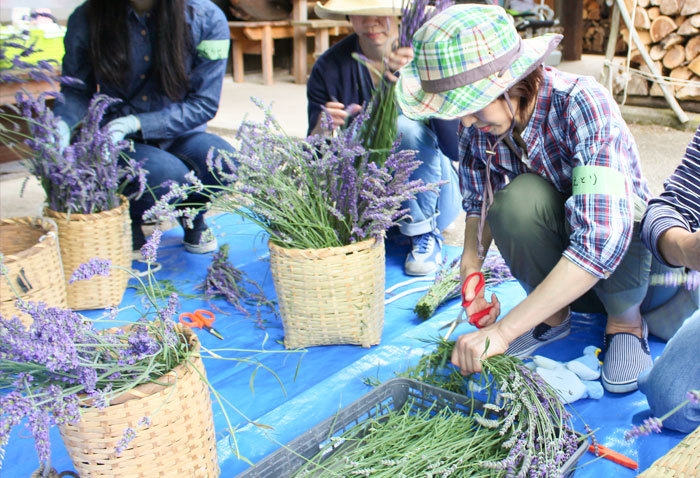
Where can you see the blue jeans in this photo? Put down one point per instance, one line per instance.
(185, 154)
(673, 374)
(429, 210)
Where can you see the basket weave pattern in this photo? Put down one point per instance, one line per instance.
(330, 296)
(180, 440)
(683, 461)
(106, 235)
(33, 261)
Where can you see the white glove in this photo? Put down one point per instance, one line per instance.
(122, 127)
(63, 135)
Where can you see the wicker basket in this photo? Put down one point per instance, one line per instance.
(33, 261)
(330, 296)
(106, 235)
(683, 461)
(179, 441)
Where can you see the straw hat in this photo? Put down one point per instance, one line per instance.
(340, 9)
(465, 58)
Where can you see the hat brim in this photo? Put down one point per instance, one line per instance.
(341, 14)
(416, 103)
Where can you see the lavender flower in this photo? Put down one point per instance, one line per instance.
(150, 249)
(690, 279)
(91, 268)
(653, 424)
(649, 425)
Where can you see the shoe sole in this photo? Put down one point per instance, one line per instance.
(201, 248)
(619, 387)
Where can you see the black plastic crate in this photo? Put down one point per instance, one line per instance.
(390, 396)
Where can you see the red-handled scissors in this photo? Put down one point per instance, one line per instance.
(474, 318)
(202, 319)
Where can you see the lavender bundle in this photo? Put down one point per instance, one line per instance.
(522, 429)
(379, 131)
(223, 279)
(447, 283)
(87, 176)
(305, 193)
(689, 279)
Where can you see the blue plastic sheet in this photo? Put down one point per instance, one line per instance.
(300, 389)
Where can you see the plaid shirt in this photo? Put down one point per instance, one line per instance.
(575, 123)
(679, 204)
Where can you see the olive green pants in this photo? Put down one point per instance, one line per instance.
(528, 224)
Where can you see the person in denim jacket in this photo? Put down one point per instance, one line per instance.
(165, 60)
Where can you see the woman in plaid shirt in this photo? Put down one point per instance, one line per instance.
(549, 171)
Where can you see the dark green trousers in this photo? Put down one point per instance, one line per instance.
(528, 224)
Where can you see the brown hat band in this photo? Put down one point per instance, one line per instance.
(468, 77)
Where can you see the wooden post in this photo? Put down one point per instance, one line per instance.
(608, 71)
(268, 47)
(300, 14)
(571, 17)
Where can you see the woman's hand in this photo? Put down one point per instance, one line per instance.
(470, 349)
(396, 60)
(339, 114)
(681, 247)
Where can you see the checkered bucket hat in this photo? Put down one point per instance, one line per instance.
(465, 58)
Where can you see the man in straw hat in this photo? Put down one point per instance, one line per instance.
(339, 85)
(551, 172)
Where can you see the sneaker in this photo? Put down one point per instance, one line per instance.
(200, 241)
(538, 336)
(426, 254)
(626, 356)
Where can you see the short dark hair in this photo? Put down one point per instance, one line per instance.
(525, 92)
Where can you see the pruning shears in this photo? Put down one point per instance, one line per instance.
(474, 318)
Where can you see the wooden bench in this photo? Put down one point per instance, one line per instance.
(322, 30)
(257, 37)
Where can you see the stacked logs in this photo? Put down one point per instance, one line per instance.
(670, 32)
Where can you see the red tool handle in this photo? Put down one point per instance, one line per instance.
(477, 316)
(613, 456)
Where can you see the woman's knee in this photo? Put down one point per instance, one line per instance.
(528, 201)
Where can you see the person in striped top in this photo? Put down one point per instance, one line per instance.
(671, 231)
(550, 171)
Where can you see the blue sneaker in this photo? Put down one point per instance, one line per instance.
(426, 254)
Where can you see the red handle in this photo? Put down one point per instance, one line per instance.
(615, 457)
(477, 316)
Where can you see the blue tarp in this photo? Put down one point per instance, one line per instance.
(310, 386)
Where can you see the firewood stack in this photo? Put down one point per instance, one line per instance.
(670, 31)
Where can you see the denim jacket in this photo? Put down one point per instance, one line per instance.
(162, 120)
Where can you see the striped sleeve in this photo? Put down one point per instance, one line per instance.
(679, 204)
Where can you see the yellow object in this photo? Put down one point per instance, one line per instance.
(47, 44)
